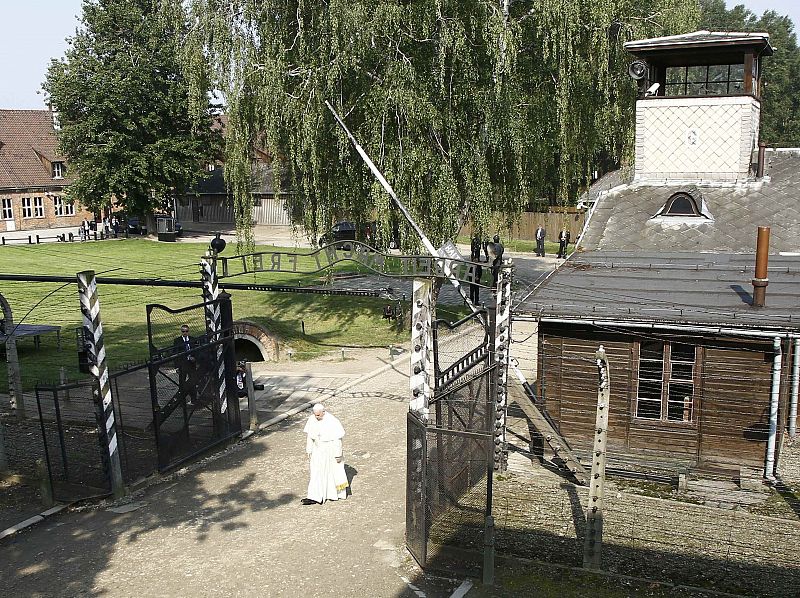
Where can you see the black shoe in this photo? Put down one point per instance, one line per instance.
(308, 501)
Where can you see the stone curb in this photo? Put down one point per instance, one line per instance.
(31, 521)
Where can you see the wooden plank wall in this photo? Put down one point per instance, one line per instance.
(570, 382)
(525, 227)
(734, 418)
(730, 420)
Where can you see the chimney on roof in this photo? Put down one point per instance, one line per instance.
(54, 116)
(761, 281)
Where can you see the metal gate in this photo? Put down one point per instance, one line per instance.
(450, 459)
(191, 381)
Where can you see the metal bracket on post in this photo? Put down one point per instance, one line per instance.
(98, 367)
(502, 343)
(422, 310)
(593, 542)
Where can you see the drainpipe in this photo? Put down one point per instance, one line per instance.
(773, 410)
(761, 281)
(795, 384)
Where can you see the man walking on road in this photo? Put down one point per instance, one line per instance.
(328, 481)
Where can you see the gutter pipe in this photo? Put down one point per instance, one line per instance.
(795, 384)
(657, 326)
(769, 466)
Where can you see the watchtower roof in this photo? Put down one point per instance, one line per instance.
(731, 40)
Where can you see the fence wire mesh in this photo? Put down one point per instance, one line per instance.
(74, 451)
(674, 519)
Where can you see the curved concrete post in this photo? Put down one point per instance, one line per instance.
(14, 375)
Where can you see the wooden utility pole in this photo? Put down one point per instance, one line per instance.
(593, 541)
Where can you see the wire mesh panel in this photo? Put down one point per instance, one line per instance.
(133, 409)
(416, 455)
(191, 389)
(75, 453)
(456, 492)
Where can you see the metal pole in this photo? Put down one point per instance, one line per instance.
(761, 280)
(769, 465)
(795, 384)
(252, 408)
(382, 180)
(98, 367)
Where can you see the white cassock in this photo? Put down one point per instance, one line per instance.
(328, 480)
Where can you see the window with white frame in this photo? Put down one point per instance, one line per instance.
(58, 170)
(38, 207)
(8, 209)
(27, 207)
(62, 208)
(666, 375)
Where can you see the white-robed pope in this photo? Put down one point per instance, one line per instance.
(328, 480)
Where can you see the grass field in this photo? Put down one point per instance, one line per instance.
(330, 322)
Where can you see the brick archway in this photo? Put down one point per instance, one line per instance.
(266, 342)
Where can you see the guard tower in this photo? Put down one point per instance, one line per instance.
(697, 115)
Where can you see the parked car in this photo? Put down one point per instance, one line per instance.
(369, 234)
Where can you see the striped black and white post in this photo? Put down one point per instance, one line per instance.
(98, 367)
(208, 270)
(422, 312)
(502, 343)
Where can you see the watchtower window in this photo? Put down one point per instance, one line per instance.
(681, 204)
(705, 80)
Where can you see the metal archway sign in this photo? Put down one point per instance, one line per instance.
(384, 264)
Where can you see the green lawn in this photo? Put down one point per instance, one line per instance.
(330, 322)
(525, 246)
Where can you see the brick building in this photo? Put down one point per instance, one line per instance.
(33, 176)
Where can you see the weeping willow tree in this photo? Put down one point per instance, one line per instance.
(469, 107)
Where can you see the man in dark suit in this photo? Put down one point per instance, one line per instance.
(186, 362)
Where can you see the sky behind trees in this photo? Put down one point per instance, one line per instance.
(33, 32)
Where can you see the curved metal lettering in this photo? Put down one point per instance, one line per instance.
(397, 266)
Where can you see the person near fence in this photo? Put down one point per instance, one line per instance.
(540, 235)
(186, 363)
(475, 256)
(496, 252)
(241, 380)
(563, 241)
(328, 480)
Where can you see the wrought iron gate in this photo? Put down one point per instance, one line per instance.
(450, 458)
(191, 383)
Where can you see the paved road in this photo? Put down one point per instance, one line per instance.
(234, 525)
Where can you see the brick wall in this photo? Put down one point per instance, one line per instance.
(42, 212)
(696, 138)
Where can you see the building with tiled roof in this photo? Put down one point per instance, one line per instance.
(704, 374)
(33, 174)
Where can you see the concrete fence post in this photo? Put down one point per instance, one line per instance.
(98, 367)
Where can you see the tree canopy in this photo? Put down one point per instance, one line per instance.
(780, 106)
(469, 107)
(122, 103)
